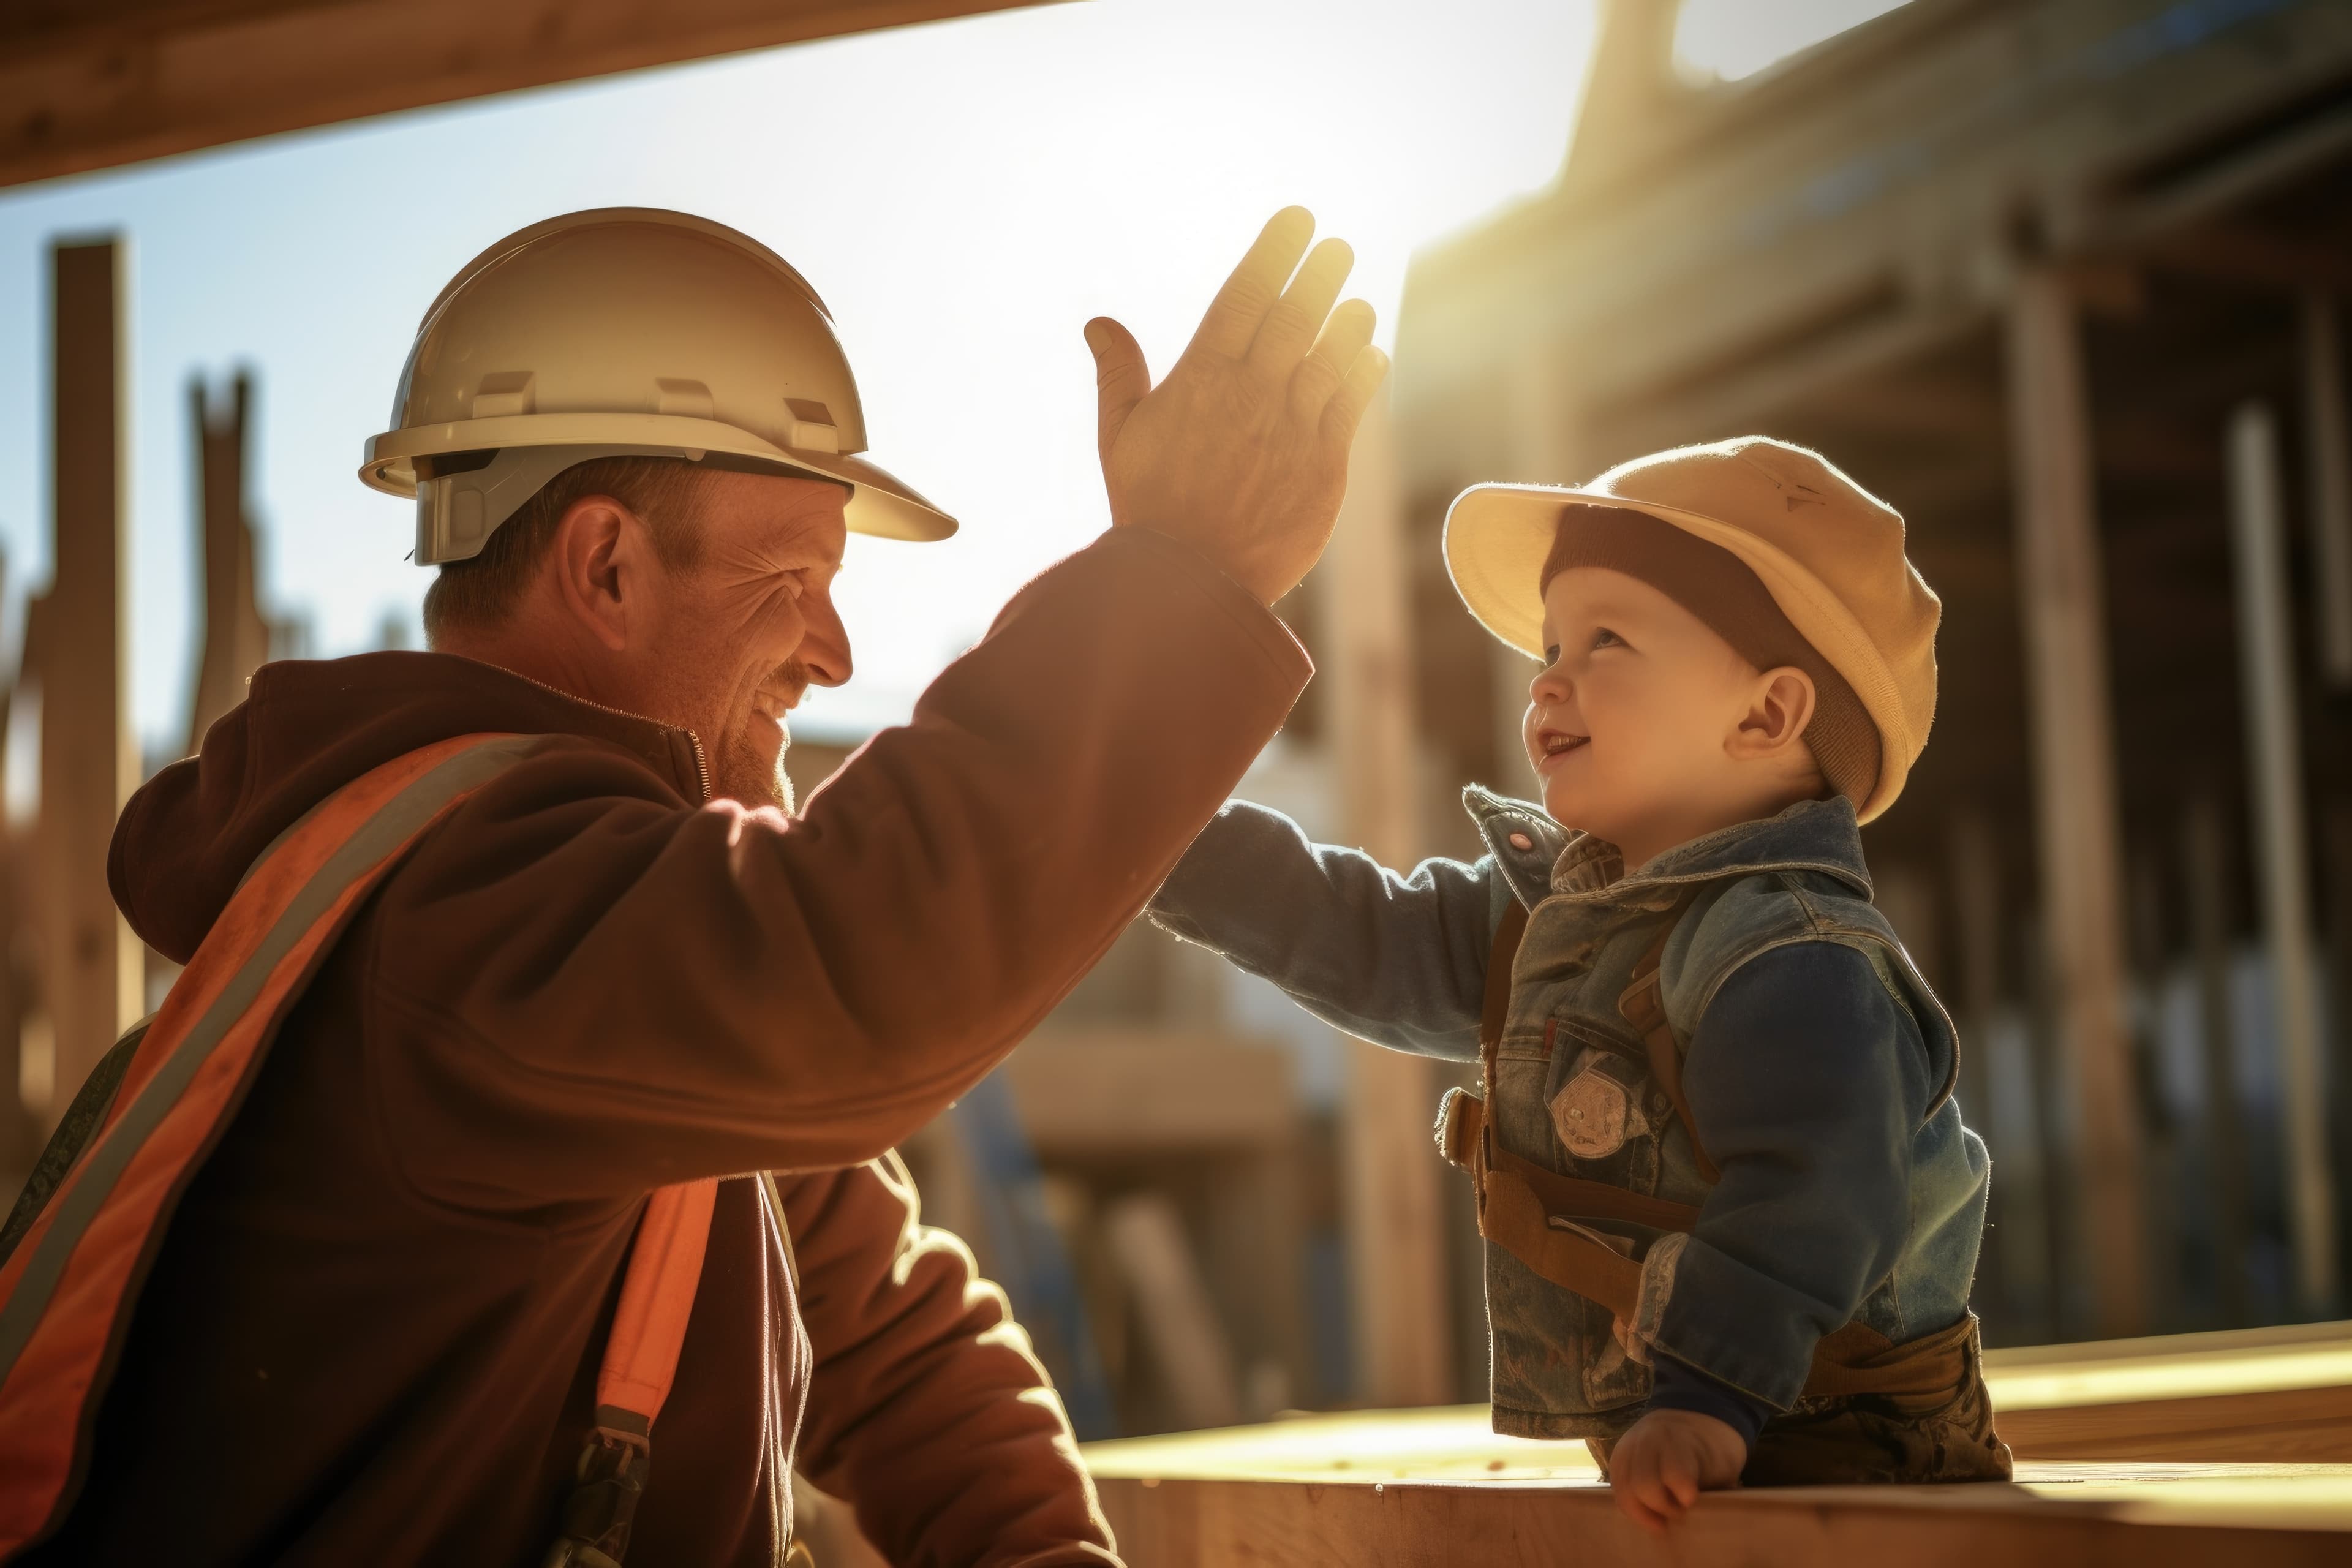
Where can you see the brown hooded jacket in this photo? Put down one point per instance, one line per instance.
(372, 1330)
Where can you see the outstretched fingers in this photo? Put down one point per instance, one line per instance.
(1240, 308)
(1345, 336)
(1346, 409)
(1295, 320)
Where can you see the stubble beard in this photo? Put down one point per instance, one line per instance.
(745, 776)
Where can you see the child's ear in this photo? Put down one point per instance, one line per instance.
(1777, 712)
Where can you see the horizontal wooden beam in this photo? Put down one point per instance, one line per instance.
(1364, 1491)
(1118, 1093)
(123, 81)
(2246, 256)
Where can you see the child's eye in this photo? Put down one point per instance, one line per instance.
(1551, 655)
(1604, 637)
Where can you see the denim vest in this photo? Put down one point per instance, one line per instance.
(1573, 1092)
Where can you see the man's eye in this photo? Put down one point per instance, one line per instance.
(1604, 637)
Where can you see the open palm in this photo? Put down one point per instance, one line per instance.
(1242, 451)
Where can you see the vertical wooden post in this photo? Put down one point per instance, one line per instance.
(2204, 858)
(2281, 861)
(2158, 1125)
(236, 635)
(1396, 1246)
(2329, 460)
(19, 1147)
(74, 645)
(2014, 1265)
(2064, 608)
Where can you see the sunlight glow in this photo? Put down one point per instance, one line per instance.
(1724, 40)
(963, 194)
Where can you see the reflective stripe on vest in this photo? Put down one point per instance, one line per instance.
(67, 1288)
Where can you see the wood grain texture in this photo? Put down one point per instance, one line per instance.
(2156, 1520)
(87, 87)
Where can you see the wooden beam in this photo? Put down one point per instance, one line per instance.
(2327, 459)
(1390, 1170)
(144, 81)
(2205, 868)
(2062, 598)
(236, 634)
(2244, 255)
(1335, 1498)
(1087, 1092)
(1180, 1327)
(91, 965)
(2280, 1394)
(2281, 836)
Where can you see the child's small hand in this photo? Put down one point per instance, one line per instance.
(1667, 1458)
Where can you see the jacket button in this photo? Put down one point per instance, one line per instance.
(1521, 841)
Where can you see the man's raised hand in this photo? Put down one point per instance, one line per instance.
(1242, 452)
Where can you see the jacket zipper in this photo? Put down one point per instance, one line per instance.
(701, 766)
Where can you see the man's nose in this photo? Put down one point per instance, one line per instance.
(824, 648)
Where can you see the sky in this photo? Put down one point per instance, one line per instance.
(965, 195)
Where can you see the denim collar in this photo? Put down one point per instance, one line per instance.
(1821, 836)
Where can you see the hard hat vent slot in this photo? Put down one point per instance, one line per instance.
(503, 392)
(687, 399)
(810, 426)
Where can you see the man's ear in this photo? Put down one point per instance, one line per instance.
(600, 557)
(1781, 706)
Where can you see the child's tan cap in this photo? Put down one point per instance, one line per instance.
(1829, 552)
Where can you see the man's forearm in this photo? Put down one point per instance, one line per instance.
(925, 1407)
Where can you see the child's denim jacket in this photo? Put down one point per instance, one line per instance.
(1817, 1061)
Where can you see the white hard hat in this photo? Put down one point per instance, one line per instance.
(625, 331)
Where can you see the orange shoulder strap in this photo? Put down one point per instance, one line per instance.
(69, 1282)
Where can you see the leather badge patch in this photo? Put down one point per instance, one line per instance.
(1593, 1115)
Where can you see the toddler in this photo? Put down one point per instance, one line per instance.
(1731, 1214)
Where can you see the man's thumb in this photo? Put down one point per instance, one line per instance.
(1122, 378)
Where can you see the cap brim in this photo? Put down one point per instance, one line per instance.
(1498, 537)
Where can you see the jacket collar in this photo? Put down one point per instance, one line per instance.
(1821, 836)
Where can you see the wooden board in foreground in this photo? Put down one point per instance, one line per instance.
(1421, 1488)
(2257, 1395)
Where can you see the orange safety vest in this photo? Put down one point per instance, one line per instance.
(89, 1230)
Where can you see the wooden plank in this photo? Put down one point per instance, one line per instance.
(1390, 1170)
(1426, 1488)
(2280, 1395)
(1180, 1327)
(146, 81)
(2281, 836)
(2327, 459)
(236, 634)
(2205, 874)
(1091, 1092)
(91, 965)
(2097, 1517)
(2062, 598)
(1893, 168)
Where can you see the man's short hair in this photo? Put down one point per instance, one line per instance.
(484, 590)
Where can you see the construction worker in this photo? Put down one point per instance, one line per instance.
(508, 1178)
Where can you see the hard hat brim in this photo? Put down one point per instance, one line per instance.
(880, 503)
